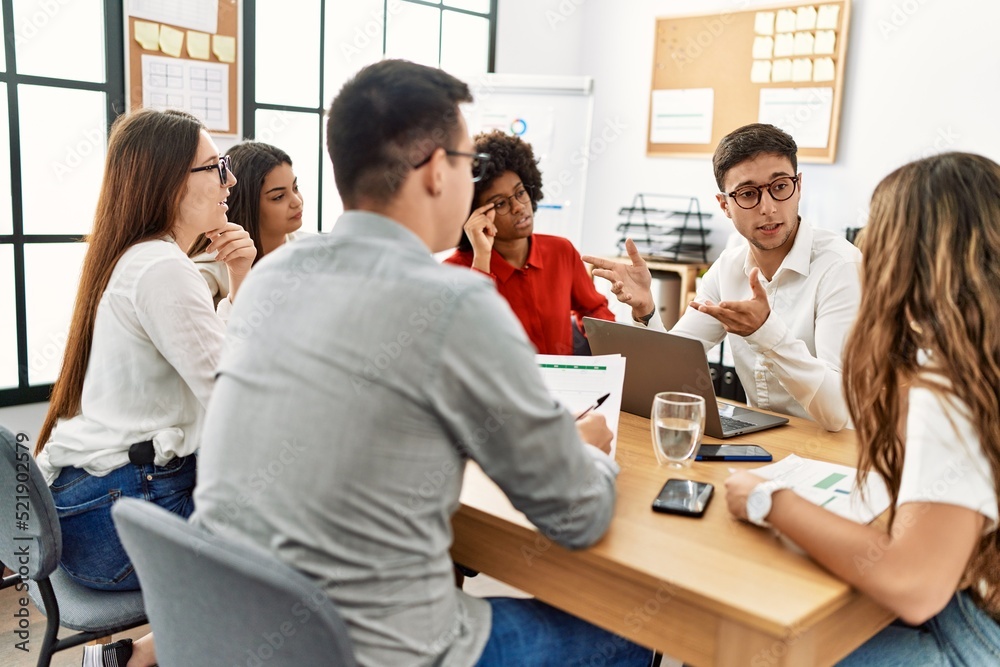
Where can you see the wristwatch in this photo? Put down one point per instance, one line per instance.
(646, 318)
(759, 501)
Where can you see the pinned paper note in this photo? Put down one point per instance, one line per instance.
(781, 71)
(826, 42)
(148, 35)
(763, 23)
(784, 45)
(763, 47)
(827, 17)
(804, 113)
(823, 69)
(785, 21)
(760, 72)
(197, 44)
(224, 48)
(171, 40)
(803, 43)
(805, 18)
(802, 69)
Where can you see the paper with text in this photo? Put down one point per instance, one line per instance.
(200, 15)
(577, 382)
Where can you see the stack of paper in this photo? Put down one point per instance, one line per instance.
(831, 486)
(577, 382)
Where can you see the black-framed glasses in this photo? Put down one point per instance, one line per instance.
(503, 205)
(479, 160)
(222, 165)
(749, 196)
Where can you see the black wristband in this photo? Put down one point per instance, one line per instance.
(646, 318)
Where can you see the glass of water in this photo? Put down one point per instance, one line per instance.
(676, 421)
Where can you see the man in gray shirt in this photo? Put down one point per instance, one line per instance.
(359, 377)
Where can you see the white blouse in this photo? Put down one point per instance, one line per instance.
(157, 341)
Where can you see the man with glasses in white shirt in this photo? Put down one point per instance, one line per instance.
(785, 300)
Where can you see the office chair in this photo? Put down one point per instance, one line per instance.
(31, 546)
(214, 601)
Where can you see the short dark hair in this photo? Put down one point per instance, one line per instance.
(748, 142)
(385, 120)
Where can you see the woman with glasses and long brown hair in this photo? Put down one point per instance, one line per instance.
(266, 202)
(922, 380)
(126, 412)
(542, 277)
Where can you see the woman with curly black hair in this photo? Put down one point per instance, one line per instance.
(541, 276)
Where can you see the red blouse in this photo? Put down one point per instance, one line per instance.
(552, 285)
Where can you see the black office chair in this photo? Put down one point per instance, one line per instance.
(31, 545)
(213, 601)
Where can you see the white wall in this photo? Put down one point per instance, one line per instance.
(922, 76)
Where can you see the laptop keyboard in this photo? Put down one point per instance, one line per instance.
(730, 424)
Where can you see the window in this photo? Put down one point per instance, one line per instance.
(298, 53)
(55, 112)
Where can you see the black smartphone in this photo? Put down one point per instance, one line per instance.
(683, 496)
(732, 453)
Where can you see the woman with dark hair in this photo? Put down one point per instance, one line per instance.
(541, 276)
(125, 414)
(267, 203)
(922, 380)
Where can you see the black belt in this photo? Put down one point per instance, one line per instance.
(142, 452)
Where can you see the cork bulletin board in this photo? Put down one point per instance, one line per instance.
(782, 65)
(182, 54)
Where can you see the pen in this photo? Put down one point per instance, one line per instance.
(593, 406)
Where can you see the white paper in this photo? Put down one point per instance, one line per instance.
(802, 69)
(805, 18)
(803, 43)
(781, 72)
(760, 72)
(802, 112)
(763, 47)
(763, 23)
(823, 69)
(826, 42)
(831, 486)
(198, 87)
(577, 382)
(200, 15)
(784, 45)
(785, 21)
(682, 116)
(827, 17)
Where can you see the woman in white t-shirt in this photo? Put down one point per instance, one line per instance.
(126, 412)
(922, 379)
(267, 203)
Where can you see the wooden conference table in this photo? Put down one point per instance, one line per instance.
(709, 591)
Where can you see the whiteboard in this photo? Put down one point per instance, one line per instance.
(553, 114)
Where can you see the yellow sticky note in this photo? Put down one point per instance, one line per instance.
(826, 41)
(824, 70)
(148, 35)
(171, 40)
(763, 47)
(224, 48)
(197, 44)
(782, 71)
(828, 17)
(763, 23)
(802, 69)
(760, 72)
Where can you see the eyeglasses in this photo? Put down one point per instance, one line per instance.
(222, 165)
(749, 196)
(479, 160)
(503, 205)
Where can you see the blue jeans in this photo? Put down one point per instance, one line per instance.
(530, 633)
(92, 553)
(962, 634)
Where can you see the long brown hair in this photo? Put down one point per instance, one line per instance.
(149, 155)
(930, 281)
(251, 162)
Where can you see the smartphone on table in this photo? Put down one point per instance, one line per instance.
(732, 453)
(683, 496)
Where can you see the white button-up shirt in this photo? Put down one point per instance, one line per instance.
(792, 363)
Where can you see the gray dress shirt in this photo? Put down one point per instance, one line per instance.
(358, 377)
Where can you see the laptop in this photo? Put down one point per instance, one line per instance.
(659, 361)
